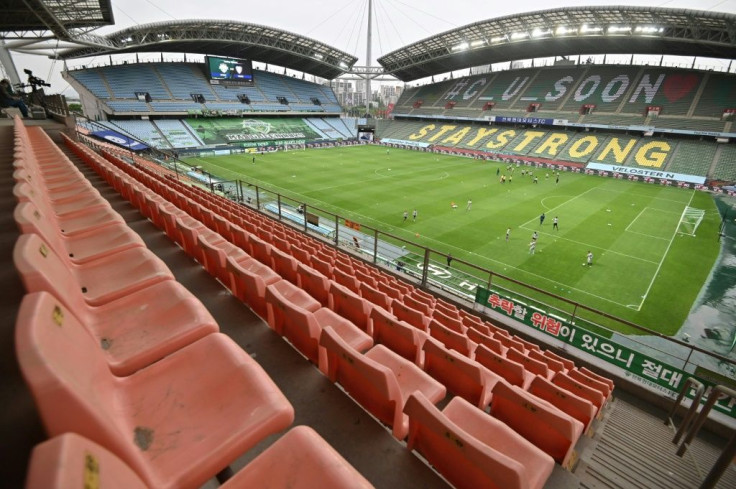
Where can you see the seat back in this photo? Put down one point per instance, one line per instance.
(484, 339)
(314, 283)
(579, 389)
(534, 366)
(63, 366)
(323, 267)
(400, 337)
(294, 323)
(31, 220)
(569, 364)
(346, 279)
(349, 305)
(371, 384)
(536, 420)
(451, 339)
(72, 461)
(41, 269)
(461, 375)
(577, 407)
(284, 264)
(553, 365)
(448, 321)
(410, 315)
(375, 296)
(418, 305)
(511, 371)
(461, 458)
(587, 379)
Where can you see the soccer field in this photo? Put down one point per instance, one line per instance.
(643, 270)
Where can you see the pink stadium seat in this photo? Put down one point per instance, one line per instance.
(351, 306)
(580, 389)
(483, 339)
(323, 267)
(82, 247)
(554, 365)
(380, 380)
(248, 281)
(240, 237)
(550, 429)
(461, 375)
(215, 256)
(301, 320)
(410, 315)
(496, 330)
(418, 305)
(72, 461)
(451, 339)
(577, 407)
(473, 450)
(528, 345)
(176, 423)
(375, 296)
(300, 254)
(133, 330)
(511, 343)
(100, 281)
(364, 278)
(392, 292)
(345, 279)
(447, 308)
(478, 326)
(285, 265)
(569, 364)
(400, 337)
(423, 296)
(260, 250)
(534, 366)
(187, 230)
(512, 372)
(598, 382)
(314, 283)
(452, 322)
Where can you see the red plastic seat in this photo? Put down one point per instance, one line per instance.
(400, 337)
(418, 305)
(534, 366)
(487, 340)
(554, 365)
(452, 322)
(569, 364)
(322, 266)
(547, 427)
(351, 306)
(411, 316)
(511, 343)
(512, 372)
(248, 281)
(100, 281)
(601, 384)
(473, 450)
(215, 256)
(577, 407)
(375, 296)
(260, 250)
(380, 380)
(176, 423)
(302, 326)
(580, 389)
(285, 265)
(451, 339)
(461, 375)
(346, 280)
(81, 247)
(314, 283)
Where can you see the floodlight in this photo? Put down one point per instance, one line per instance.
(519, 35)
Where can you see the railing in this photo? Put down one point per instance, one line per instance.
(689, 416)
(718, 392)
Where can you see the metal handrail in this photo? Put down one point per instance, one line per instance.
(693, 383)
(715, 394)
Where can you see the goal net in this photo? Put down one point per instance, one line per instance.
(690, 220)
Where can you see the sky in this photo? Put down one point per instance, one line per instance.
(338, 23)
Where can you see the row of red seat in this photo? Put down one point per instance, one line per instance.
(128, 369)
(305, 321)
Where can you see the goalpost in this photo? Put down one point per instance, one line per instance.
(690, 220)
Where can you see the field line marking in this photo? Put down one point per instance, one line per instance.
(586, 245)
(640, 195)
(558, 206)
(664, 256)
(645, 234)
(637, 217)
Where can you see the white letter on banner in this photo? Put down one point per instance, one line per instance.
(649, 90)
(560, 86)
(471, 91)
(595, 80)
(623, 82)
(509, 93)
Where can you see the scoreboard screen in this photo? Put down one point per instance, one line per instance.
(230, 69)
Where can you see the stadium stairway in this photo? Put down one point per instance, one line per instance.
(632, 439)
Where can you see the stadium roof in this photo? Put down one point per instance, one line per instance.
(226, 38)
(566, 32)
(24, 18)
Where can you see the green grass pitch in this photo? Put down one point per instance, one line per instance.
(643, 269)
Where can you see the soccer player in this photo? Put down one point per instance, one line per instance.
(541, 219)
(554, 224)
(508, 234)
(470, 204)
(589, 258)
(534, 236)
(414, 215)
(532, 247)
(406, 214)
(557, 180)
(449, 259)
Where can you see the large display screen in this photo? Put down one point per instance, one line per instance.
(229, 69)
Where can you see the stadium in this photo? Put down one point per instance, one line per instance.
(219, 274)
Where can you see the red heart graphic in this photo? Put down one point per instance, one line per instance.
(677, 86)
